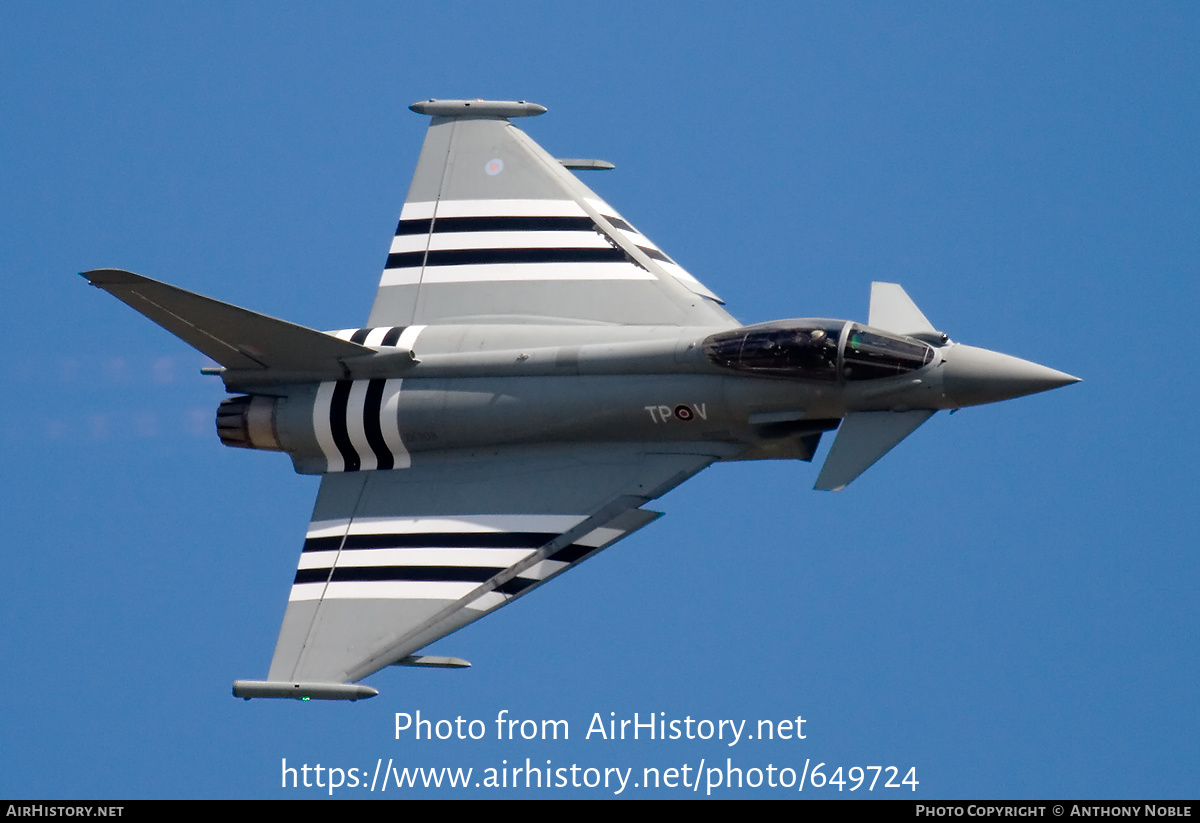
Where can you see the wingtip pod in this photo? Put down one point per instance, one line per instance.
(108, 277)
(246, 689)
(477, 108)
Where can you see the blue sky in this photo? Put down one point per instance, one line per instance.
(1007, 602)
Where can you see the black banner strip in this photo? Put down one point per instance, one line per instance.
(337, 425)
(441, 540)
(469, 257)
(470, 224)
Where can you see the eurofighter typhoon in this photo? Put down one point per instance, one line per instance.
(534, 372)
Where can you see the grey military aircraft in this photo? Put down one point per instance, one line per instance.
(533, 372)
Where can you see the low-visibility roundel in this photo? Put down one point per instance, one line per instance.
(683, 412)
(494, 166)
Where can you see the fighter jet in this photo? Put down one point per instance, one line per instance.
(533, 373)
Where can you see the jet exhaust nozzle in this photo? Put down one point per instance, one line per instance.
(248, 422)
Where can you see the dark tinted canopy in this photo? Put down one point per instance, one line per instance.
(816, 350)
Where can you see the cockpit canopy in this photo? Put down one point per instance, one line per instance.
(826, 350)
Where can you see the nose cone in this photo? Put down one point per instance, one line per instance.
(973, 376)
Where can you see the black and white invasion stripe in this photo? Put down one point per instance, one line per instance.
(512, 240)
(356, 422)
(436, 558)
(394, 336)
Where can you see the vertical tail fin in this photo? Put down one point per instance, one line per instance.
(236, 338)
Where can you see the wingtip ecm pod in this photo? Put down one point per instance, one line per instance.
(247, 689)
(477, 108)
